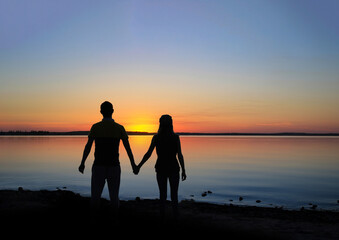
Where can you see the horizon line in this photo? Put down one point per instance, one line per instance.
(42, 132)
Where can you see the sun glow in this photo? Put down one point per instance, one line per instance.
(142, 128)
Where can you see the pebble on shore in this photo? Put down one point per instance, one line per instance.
(314, 207)
(204, 194)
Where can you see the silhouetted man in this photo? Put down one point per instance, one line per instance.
(106, 165)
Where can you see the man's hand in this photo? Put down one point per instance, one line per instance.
(87, 150)
(82, 168)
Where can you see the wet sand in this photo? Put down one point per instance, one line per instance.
(61, 213)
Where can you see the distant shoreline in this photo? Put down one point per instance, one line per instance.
(85, 133)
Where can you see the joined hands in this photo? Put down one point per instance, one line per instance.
(136, 169)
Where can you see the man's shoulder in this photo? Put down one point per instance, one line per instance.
(110, 123)
(108, 128)
(96, 124)
(119, 126)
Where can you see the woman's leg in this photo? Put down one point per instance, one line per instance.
(162, 184)
(174, 185)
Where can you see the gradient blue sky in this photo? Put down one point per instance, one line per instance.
(215, 66)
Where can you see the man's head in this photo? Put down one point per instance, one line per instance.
(106, 109)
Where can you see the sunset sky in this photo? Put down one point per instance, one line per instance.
(215, 66)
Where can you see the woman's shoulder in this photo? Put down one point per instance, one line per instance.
(175, 137)
(155, 137)
(172, 136)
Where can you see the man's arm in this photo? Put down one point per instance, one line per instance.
(87, 150)
(129, 153)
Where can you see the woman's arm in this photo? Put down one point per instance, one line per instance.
(181, 161)
(148, 153)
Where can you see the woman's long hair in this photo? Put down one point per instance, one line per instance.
(165, 126)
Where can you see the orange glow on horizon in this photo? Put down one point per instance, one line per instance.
(135, 120)
(195, 125)
(141, 128)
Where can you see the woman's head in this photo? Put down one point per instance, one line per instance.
(165, 125)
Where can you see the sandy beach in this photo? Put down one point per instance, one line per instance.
(64, 213)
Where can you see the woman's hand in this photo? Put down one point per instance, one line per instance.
(183, 175)
(82, 168)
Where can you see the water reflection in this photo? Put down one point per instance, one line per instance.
(289, 171)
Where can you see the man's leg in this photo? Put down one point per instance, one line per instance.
(113, 182)
(97, 185)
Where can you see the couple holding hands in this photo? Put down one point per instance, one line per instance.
(106, 166)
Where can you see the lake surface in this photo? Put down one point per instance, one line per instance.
(279, 171)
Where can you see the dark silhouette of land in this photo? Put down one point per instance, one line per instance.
(46, 214)
(85, 133)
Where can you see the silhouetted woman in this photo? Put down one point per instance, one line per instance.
(168, 146)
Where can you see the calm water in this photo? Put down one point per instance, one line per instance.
(280, 171)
